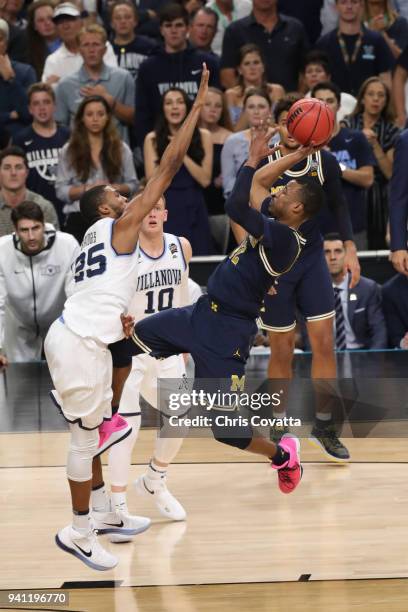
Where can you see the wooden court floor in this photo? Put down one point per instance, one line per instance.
(339, 543)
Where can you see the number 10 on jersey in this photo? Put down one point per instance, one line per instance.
(159, 301)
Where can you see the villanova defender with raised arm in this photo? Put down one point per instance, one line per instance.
(218, 330)
(76, 346)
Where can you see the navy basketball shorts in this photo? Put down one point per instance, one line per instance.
(307, 288)
(219, 343)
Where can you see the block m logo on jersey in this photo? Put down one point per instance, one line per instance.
(237, 382)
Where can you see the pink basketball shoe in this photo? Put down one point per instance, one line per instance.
(290, 473)
(111, 432)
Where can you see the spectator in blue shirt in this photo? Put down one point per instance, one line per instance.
(356, 162)
(130, 48)
(177, 64)
(15, 78)
(399, 206)
(282, 40)
(355, 53)
(42, 142)
(96, 78)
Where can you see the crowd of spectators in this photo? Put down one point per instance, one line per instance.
(91, 92)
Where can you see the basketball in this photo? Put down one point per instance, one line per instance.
(310, 121)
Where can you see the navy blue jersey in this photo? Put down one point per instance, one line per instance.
(241, 281)
(373, 57)
(42, 157)
(324, 168)
(130, 56)
(352, 149)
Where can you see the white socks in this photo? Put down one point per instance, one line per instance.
(80, 522)
(155, 472)
(118, 500)
(100, 500)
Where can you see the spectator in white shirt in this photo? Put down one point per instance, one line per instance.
(227, 11)
(66, 59)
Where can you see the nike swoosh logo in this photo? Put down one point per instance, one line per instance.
(196, 71)
(27, 142)
(18, 271)
(87, 554)
(348, 139)
(148, 490)
(121, 524)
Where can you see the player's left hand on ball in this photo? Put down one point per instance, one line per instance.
(128, 323)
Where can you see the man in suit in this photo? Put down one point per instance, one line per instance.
(360, 322)
(399, 206)
(395, 301)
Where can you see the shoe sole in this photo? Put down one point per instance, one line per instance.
(121, 538)
(100, 451)
(317, 444)
(71, 551)
(122, 531)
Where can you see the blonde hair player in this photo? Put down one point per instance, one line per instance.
(162, 283)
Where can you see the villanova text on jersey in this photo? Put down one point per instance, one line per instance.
(158, 278)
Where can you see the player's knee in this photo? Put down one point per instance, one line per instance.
(321, 338)
(282, 345)
(82, 449)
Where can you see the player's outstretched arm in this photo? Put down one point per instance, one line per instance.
(170, 162)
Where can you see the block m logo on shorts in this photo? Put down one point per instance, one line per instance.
(237, 383)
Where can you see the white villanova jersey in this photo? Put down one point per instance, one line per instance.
(104, 285)
(161, 281)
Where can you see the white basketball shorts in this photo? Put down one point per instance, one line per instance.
(81, 370)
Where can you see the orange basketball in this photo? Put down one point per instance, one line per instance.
(310, 121)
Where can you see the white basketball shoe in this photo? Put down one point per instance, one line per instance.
(86, 548)
(119, 525)
(157, 490)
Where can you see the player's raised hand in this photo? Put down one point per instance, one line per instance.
(203, 89)
(259, 146)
